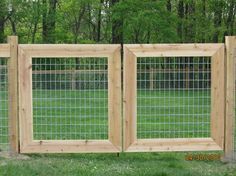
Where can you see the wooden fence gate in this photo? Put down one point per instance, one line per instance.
(133, 55)
(27, 142)
(68, 98)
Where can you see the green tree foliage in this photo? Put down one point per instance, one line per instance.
(117, 21)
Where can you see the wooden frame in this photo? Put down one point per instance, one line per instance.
(13, 95)
(9, 52)
(27, 144)
(230, 97)
(216, 141)
(5, 50)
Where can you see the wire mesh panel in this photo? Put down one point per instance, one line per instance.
(70, 98)
(4, 135)
(174, 97)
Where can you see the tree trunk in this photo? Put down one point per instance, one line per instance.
(230, 18)
(203, 35)
(2, 20)
(49, 21)
(191, 28)
(168, 5)
(34, 32)
(181, 16)
(117, 31)
(2, 37)
(44, 21)
(217, 20)
(13, 26)
(99, 21)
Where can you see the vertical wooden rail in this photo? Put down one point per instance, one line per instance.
(130, 99)
(218, 96)
(114, 94)
(13, 95)
(151, 78)
(230, 97)
(187, 78)
(73, 80)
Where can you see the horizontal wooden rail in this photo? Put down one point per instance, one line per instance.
(4, 50)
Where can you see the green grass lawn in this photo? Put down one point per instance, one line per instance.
(130, 164)
(82, 114)
(63, 115)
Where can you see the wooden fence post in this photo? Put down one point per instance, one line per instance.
(73, 79)
(187, 78)
(13, 95)
(230, 97)
(151, 78)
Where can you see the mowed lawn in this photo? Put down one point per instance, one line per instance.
(130, 164)
(83, 115)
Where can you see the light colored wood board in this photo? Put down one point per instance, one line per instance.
(90, 146)
(13, 95)
(114, 96)
(177, 144)
(4, 50)
(25, 98)
(173, 50)
(230, 95)
(129, 100)
(218, 96)
(69, 50)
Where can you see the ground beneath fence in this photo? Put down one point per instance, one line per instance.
(164, 164)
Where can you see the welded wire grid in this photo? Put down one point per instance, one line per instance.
(4, 137)
(173, 97)
(70, 98)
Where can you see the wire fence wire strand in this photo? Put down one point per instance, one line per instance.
(70, 98)
(173, 98)
(4, 136)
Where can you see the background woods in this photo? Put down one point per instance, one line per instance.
(117, 21)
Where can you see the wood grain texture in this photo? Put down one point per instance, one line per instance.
(173, 50)
(114, 99)
(218, 96)
(230, 95)
(69, 50)
(25, 98)
(13, 95)
(170, 145)
(5, 50)
(70, 146)
(130, 98)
